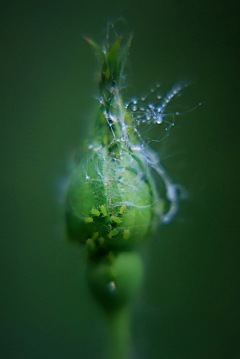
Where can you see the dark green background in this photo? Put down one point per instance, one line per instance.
(189, 306)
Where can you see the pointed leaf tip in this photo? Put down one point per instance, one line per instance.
(97, 49)
(113, 53)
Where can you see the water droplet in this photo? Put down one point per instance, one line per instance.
(134, 101)
(159, 119)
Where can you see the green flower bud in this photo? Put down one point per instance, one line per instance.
(114, 280)
(111, 189)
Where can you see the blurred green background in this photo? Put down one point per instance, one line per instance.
(190, 303)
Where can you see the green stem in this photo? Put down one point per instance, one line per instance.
(119, 334)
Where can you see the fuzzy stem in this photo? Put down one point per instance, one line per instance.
(119, 334)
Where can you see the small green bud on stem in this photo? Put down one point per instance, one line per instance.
(114, 279)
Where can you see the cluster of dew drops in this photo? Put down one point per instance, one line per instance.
(151, 113)
(152, 109)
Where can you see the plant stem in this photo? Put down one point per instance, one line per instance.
(119, 334)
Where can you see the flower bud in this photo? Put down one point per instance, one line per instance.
(114, 280)
(111, 197)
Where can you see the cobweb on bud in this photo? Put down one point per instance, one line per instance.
(157, 109)
(148, 112)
